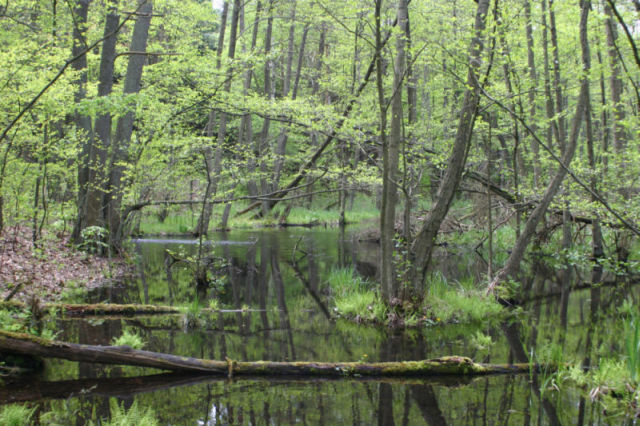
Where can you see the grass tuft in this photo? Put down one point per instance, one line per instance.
(459, 302)
(354, 296)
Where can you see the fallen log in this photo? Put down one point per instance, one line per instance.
(453, 365)
(110, 309)
(69, 309)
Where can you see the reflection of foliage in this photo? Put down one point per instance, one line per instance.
(120, 416)
(212, 266)
(61, 413)
(129, 338)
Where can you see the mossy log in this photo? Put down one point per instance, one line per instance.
(109, 309)
(454, 365)
(70, 309)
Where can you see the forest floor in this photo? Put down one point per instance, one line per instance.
(50, 268)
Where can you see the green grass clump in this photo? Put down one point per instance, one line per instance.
(16, 415)
(460, 302)
(354, 296)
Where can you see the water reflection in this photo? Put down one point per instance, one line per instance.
(276, 283)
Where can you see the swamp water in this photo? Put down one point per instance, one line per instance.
(273, 283)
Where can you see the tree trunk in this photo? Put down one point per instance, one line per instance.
(547, 76)
(263, 143)
(102, 141)
(423, 245)
(222, 129)
(391, 150)
(82, 122)
(559, 121)
(124, 128)
(245, 138)
(615, 84)
(281, 145)
(202, 226)
(517, 254)
(25, 344)
(533, 75)
(315, 86)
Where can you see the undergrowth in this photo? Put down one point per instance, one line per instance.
(16, 415)
(614, 383)
(355, 297)
(460, 302)
(183, 221)
(120, 416)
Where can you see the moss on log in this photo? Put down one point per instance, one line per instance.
(70, 309)
(124, 355)
(110, 309)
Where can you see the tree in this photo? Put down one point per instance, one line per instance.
(124, 128)
(513, 262)
(424, 243)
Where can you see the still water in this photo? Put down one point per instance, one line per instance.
(273, 285)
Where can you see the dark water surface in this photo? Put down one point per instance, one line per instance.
(276, 283)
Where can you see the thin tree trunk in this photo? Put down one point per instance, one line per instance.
(246, 126)
(315, 86)
(597, 246)
(281, 145)
(615, 85)
(409, 181)
(533, 75)
(559, 122)
(222, 129)
(560, 134)
(512, 265)
(423, 245)
(202, 226)
(391, 151)
(263, 146)
(82, 122)
(547, 76)
(386, 226)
